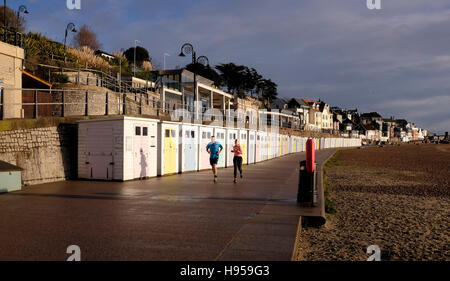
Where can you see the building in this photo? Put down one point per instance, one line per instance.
(11, 65)
(302, 110)
(372, 117)
(103, 54)
(372, 133)
(176, 90)
(387, 132)
(280, 103)
(337, 120)
(315, 116)
(320, 115)
(248, 106)
(327, 116)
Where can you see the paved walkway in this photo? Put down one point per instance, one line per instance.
(181, 217)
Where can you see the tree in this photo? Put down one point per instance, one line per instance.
(11, 20)
(269, 91)
(86, 37)
(251, 80)
(233, 77)
(205, 71)
(141, 55)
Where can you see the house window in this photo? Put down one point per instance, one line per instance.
(145, 131)
(172, 133)
(138, 131)
(167, 133)
(187, 134)
(193, 134)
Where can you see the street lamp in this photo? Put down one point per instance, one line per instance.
(165, 55)
(4, 20)
(120, 70)
(134, 64)
(188, 49)
(22, 9)
(70, 27)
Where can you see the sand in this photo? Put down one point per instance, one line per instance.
(394, 197)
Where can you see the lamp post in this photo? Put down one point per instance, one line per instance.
(188, 49)
(134, 63)
(70, 27)
(120, 70)
(22, 9)
(165, 55)
(4, 20)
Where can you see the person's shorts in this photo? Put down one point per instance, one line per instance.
(213, 161)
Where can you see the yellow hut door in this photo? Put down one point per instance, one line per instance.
(170, 151)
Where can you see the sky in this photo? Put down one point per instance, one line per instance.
(395, 61)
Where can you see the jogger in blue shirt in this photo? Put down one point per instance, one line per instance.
(214, 149)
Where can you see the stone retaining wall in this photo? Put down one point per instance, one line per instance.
(45, 154)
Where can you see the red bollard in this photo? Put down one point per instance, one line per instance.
(310, 155)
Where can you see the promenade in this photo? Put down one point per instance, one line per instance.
(180, 217)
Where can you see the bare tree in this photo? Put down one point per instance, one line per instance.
(11, 19)
(86, 37)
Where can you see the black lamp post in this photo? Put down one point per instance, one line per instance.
(188, 49)
(4, 20)
(70, 27)
(22, 9)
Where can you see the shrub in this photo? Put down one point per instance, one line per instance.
(60, 78)
(36, 45)
(87, 58)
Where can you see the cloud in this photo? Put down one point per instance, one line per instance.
(336, 50)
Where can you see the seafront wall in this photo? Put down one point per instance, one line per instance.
(46, 154)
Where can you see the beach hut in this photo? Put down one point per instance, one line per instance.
(260, 144)
(265, 147)
(232, 135)
(220, 134)
(206, 132)
(168, 145)
(279, 146)
(243, 136)
(296, 145)
(119, 148)
(188, 147)
(10, 177)
(274, 146)
(286, 144)
(251, 146)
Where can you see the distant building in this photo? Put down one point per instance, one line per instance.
(280, 103)
(103, 54)
(315, 116)
(302, 110)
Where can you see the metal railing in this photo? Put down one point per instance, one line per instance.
(11, 36)
(38, 103)
(101, 79)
